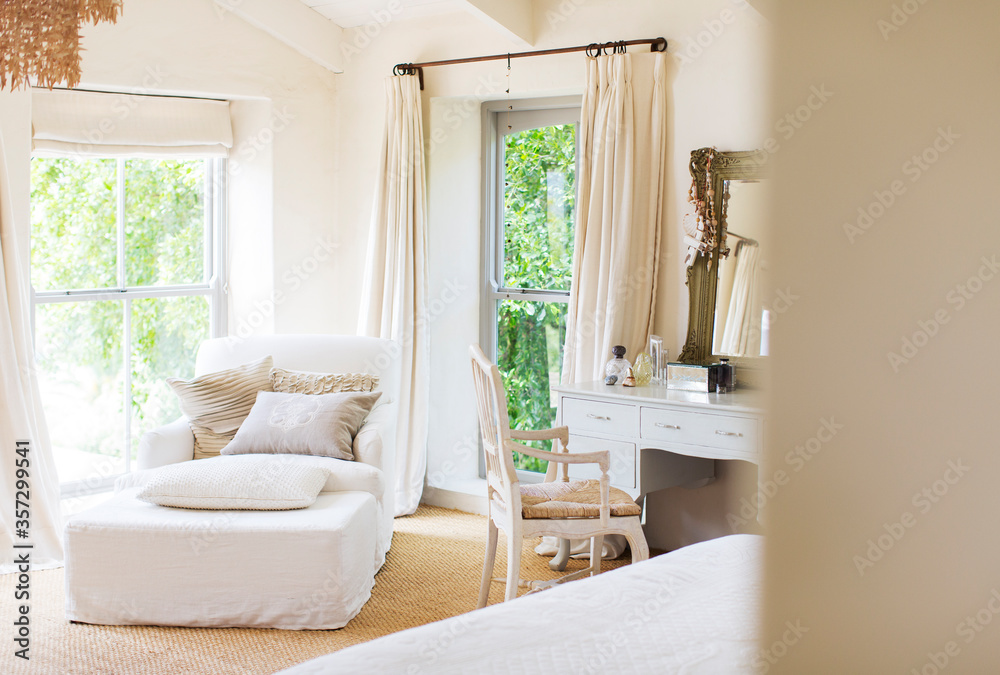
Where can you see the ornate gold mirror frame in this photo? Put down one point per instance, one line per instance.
(703, 274)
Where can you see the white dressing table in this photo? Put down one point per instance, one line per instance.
(658, 437)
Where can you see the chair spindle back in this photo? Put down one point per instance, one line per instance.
(491, 403)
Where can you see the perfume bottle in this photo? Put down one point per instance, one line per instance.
(616, 367)
(725, 377)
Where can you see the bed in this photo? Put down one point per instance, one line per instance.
(690, 611)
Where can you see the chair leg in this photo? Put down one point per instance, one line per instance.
(491, 556)
(559, 560)
(513, 564)
(637, 542)
(596, 554)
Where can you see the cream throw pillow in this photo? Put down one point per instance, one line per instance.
(303, 424)
(298, 382)
(247, 482)
(217, 403)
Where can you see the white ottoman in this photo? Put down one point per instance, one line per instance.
(133, 563)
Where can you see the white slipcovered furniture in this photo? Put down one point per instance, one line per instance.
(129, 562)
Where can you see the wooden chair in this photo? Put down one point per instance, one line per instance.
(579, 509)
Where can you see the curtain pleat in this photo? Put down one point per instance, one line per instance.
(620, 211)
(21, 416)
(741, 336)
(394, 293)
(619, 218)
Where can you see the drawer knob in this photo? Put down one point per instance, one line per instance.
(598, 417)
(728, 433)
(667, 426)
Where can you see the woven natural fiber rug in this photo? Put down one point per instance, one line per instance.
(431, 573)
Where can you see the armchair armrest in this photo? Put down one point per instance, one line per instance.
(169, 444)
(562, 433)
(368, 445)
(599, 457)
(374, 445)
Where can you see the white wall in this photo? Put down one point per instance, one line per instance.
(883, 546)
(718, 98)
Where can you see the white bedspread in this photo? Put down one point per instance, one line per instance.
(691, 611)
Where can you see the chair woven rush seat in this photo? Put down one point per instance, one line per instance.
(576, 499)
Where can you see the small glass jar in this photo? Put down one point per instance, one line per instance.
(617, 366)
(725, 377)
(643, 369)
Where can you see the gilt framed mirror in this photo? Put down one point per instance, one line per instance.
(728, 316)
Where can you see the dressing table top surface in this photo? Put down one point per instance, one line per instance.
(740, 401)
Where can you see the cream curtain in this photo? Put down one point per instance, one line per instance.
(741, 336)
(723, 295)
(394, 294)
(619, 211)
(623, 155)
(21, 417)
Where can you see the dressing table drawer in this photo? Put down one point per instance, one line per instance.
(726, 432)
(601, 417)
(621, 472)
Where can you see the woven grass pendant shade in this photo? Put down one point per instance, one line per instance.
(40, 39)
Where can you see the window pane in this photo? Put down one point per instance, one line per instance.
(79, 358)
(530, 338)
(539, 195)
(73, 226)
(164, 222)
(165, 337)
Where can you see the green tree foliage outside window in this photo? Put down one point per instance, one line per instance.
(539, 200)
(74, 246)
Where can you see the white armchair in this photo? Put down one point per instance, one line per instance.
(311, 568)
(375, 443)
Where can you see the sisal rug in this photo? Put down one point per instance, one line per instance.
(431, 573)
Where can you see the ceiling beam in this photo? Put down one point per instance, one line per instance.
(301, 28)
(513, 18)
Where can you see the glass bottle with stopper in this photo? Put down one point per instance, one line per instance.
(615, 370)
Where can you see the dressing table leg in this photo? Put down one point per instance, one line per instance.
(559, 560)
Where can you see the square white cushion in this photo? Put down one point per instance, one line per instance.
(303, 424)
(249, 482)
(344, 476)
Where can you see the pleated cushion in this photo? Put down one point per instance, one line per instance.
(217, 403)
(298, 382)
(575, 499)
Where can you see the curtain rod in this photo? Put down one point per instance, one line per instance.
(655, 45)
(129, 93)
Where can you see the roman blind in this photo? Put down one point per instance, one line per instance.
(68, 123)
